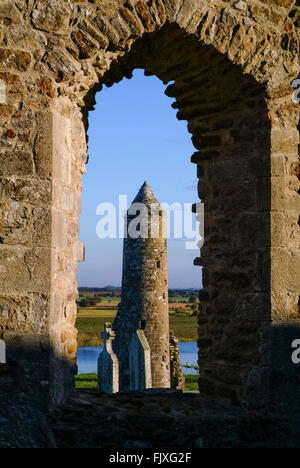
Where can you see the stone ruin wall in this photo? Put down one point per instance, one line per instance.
(232, 63)
(177, 377)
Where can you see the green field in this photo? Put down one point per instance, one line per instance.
(99, 309)
(104, 299)
(90, 381)
(185, 328)
(90, 323)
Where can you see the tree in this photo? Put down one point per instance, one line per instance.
(85, 302)
(193, 299)
(195, 309)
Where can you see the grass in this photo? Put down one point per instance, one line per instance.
(90, 381)
(97, 312)
(185, 328)
(86, 381)
(89, 329)
(90, 323)
(111, 299)
(191, 382)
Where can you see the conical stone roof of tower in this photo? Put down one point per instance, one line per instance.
(145, 195)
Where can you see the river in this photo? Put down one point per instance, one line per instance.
(87, 358)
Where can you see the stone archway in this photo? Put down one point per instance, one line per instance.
(232, 67)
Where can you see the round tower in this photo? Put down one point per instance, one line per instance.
(144, 300)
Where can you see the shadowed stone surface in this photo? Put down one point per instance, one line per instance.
(162, 420)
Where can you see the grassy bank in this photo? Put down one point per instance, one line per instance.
(90, 381)
(90, 323)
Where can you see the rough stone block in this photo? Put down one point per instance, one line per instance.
(40, 311)
(63, 66)
(145, 16)
(42, 227)
(43, 145)
(86, 45)
(27, 348)
(284, 140)
(79, 251)
(59, 229)
(38, 270)
(15, 59)
(52, 16)
(61, 135)
(278, 229)
(171, 7)
(16, 162)
(14, 274)
(33, 191)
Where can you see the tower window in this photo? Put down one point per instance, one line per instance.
(158, 264)
(142, 324)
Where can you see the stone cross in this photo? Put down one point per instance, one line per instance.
(108, 363)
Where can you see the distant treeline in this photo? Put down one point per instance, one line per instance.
(108, 290)
(183, 292)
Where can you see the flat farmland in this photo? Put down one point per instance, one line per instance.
(90, 322)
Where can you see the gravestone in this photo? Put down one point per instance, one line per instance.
(139, 362)
(108, 363)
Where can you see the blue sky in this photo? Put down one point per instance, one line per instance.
(134, 135)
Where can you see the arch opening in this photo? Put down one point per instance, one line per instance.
(232, 69)
(227, 117)
(152, 146)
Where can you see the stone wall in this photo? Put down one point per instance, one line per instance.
(231, 63)
(177, 377)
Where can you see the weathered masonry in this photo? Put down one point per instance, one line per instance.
(144, 301)
(229, 65)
